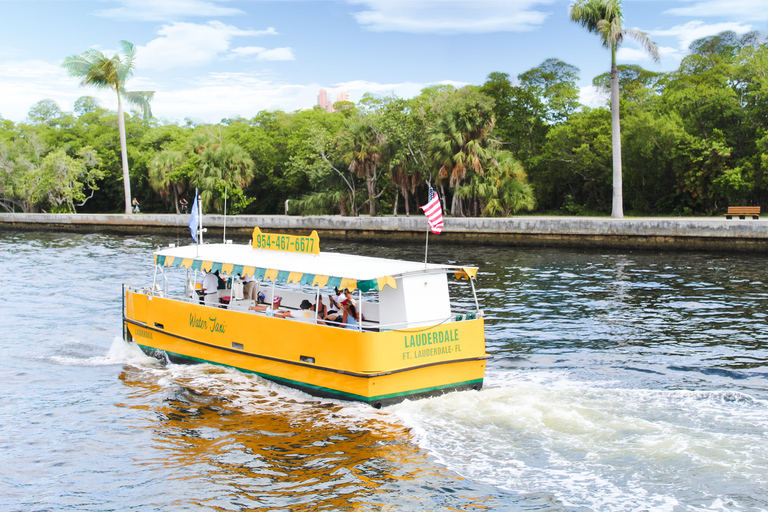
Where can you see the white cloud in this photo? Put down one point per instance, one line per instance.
(166, 10)
(744, 10)
(260, 53)
(24, 83)
(246, 51)
(450, 16)
(220, 95)
(357, 88)
(184, 45)
(625, 54)
(594, 97)
(693, 30)
(277, 54)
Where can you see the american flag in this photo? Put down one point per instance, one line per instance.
(434, 212)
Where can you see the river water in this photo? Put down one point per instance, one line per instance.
(620, 381)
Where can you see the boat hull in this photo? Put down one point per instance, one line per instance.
(379, 368)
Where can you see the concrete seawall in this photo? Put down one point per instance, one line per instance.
(704, 233)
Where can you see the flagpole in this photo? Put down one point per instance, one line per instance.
(200, 218)
(225, 215)
(426, 248)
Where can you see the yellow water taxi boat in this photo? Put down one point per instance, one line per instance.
(406, 342)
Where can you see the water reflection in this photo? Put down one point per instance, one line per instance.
(619, 381)
(243, 444)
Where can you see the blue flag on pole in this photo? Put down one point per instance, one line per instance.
(194, 220)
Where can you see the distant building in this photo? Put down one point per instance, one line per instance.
(325, 102)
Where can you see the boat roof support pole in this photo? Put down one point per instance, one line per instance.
(317, 302)
(359, 309)
(474, 294)
(165, 281)
(231, 290)
(154, 280)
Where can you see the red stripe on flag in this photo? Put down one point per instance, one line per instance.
(434, 213)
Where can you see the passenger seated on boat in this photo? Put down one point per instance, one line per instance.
(210, 289)
(347, 319)
(322, 311)
(305, 309)
(348, 294)
(307, 312)
(273, 310)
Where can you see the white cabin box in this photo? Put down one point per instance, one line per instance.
(419, 300)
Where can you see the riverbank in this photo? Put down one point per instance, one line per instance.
(657, 233)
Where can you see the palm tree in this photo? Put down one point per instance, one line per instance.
(163, 177)
(361, 146)
(102, 72)
(220, 166)
(458, 140)
(604, 18)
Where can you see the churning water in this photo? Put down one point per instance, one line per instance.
(620, 381)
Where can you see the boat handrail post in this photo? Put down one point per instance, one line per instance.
(165, 281)
(474, 294)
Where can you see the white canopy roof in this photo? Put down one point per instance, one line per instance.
(347, 266)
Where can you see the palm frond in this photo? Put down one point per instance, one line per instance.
(645, 42)
(140, 99)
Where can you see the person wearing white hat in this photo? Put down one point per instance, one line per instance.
(273, 310)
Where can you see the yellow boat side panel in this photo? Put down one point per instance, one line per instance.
(289, 340)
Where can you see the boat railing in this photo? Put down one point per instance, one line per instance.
(426, 324)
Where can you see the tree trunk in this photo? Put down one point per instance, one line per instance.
(371, 186)
(456, 205)
(394, 209)
(407, 203)
(618, 199)
(442, 199)
(124, 151)
(176, 198)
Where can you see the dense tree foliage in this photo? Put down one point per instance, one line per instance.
(694, 141)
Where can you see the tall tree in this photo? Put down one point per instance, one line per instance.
(102, 72)
(554, 82)
(604, 18)
(164, 177)
(360, 146)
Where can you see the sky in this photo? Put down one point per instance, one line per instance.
(208, 60)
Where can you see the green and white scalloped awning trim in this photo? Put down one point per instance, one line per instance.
(278, 276)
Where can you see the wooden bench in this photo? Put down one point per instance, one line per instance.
(743, 211)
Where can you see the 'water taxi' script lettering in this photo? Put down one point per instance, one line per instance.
(211, 324)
